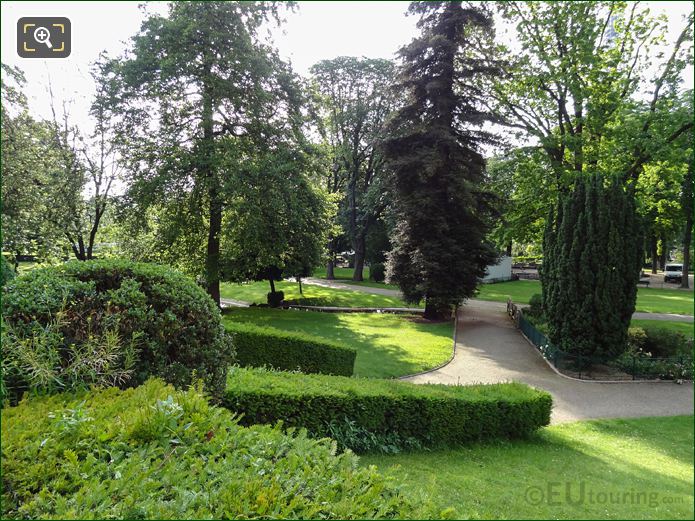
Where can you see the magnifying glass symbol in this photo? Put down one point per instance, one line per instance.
(43, 35)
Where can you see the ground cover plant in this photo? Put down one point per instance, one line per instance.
(647, 461)
(417, 415)
(256, 292)
(387, 345)
(157, 453)
(109, 322)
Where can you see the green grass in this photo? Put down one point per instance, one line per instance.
(650, 459)
(256, 292)
(344, 275)
(650, 300)
(684, 328)
(387, 345)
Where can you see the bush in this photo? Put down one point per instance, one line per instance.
(174, 323)
(274, 299)
(377, 272)
(263, 346)
(156, 453)
(427, 414)
(6, 272)
(535, 305)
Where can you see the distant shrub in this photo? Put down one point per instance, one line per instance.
(174, 323)
(156, 453)
(263, 346)
(274, 299)
(377, 272)
(536, 305)
(6, 272)
(428, 415)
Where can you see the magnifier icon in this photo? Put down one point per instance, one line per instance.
(43, 35)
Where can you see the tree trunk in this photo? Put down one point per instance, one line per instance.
(434, 311)
(212, 259)
(272, 285)
(360, 250)
(662, 255)
(654, 253)
(509, 249)
(687, 205)
(330, 272)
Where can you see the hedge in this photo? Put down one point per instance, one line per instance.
(259, 346)
(152, 452)
(431, 415)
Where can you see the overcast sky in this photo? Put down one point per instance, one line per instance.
(316, 31)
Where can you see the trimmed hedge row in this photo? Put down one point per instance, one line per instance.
(283, 350)
(430, 414)
(156, 453)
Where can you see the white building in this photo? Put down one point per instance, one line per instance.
(500, 271)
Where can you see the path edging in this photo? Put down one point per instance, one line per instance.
(444, 364)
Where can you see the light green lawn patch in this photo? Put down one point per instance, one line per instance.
(387, 345)
(344, 275)
(650, 300)
(647, 464)
(684, 328)
(255, 292)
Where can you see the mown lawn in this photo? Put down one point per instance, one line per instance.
(684, 328)
(387, 345)
(255, 292)
(650, 300)
(344, 275)
(629, 469)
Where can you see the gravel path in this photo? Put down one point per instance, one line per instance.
(501, 305)
(489, 349)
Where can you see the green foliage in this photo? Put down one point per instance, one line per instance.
(258, 346)
(535, 304)
(156, 453)
(275, 298)
(349, 435)
(431, 414)
(440, 245)
(6, 272)
(377, 272)
(590, 269)
(173, 322)
(37, 358)
(659, 342)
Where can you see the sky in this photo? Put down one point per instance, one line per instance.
(316, 31)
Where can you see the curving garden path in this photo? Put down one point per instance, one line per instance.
(489, 349)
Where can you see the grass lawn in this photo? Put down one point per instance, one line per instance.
(646, 465)
(344, 275)
(387, 345)
(684, 328)
(651, 300)
(256, 292)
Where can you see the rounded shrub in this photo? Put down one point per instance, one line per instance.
(377, 272)
(275, 298)
(101, 315)
(535, 305)
(6, 272)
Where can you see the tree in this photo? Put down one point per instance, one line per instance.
(195, 84)
(356, 100)
(275, 223)
(440, 250)
(592, 257)
(574, 87)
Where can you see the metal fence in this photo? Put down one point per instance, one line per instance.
(626, 367)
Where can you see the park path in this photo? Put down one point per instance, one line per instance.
(489, 349)
(501, 305)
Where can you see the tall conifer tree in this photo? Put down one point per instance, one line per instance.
(432, 150)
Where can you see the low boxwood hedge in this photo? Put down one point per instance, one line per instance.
(429, 415)
(152, 452)
(259, 346)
